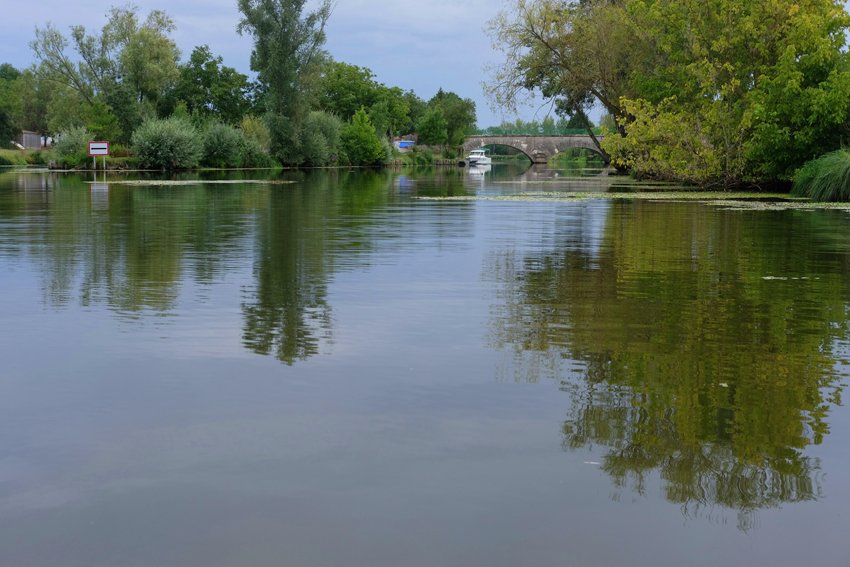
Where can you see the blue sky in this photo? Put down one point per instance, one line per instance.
(420, 45)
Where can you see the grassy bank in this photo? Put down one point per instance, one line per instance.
(14, 157)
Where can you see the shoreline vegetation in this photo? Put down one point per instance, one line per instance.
(761, 100)
(126, 84)
(722, 94)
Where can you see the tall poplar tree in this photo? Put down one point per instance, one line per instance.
(287, 50)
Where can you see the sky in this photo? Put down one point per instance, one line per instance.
(419, 45)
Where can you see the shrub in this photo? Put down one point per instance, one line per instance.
(321, 138)
(4, 161)
(222, 146)
(314, 147)
(388, 149)
(36, 158)
(171, 143)
(119, 151)
(824, 179)
(285, 139)
(72, 143)
(251, 154)
(360, 141)
(255, 129)
(419, 156)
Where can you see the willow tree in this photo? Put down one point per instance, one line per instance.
(287, 50)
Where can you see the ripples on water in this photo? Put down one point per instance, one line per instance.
(323, 368)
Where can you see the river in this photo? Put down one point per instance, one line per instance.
(417, 369)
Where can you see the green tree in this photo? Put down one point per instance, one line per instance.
(416, 110)
(148, 59)
(10, 103)
(459, 114)
(344, 89)
(66, 109)
(574, 54)
(578, 121)
(432, 128)
(286, 56)
(101, 121)
(322, 137)
(255, 129)
(211, 89)
(360, 142)
(766, 89)
(757, 88)
(128, 66)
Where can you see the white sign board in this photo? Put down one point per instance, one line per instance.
(98, 148)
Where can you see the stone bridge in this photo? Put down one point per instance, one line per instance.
(539, 149)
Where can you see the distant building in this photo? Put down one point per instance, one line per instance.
(30, 140)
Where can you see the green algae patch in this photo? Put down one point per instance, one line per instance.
(742, 200)
(181, 183)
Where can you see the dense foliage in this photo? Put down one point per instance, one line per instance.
(9, 101)
(361, 144)
(125, 69)
(321, 139)
(211, 89)
(222, 146)
(171, 143)
(433, 128)
(112, 81)
(712, 93)
(286, 56)
(72, 146)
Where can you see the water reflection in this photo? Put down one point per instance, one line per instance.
(696, 344)
(135, 246)
(286, 312)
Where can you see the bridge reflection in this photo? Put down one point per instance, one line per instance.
(539, 149)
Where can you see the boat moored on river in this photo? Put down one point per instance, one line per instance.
(478, 157)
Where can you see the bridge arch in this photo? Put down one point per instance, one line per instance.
(539, 149)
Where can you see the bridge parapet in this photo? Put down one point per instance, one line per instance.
(540, 149)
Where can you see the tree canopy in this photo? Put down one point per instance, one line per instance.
(124, 69)
(111, 81)
(212, 89)
(717, 93)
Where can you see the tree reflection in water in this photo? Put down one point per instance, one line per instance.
(697, 343)
(298, 246)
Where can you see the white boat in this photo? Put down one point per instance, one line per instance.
(478, 157)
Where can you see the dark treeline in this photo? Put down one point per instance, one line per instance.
(127, 84)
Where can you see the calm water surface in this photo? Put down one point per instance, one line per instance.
(327, 369)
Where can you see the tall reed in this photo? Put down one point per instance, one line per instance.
(826, 178)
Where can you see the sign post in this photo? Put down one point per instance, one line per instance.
(99, 149)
